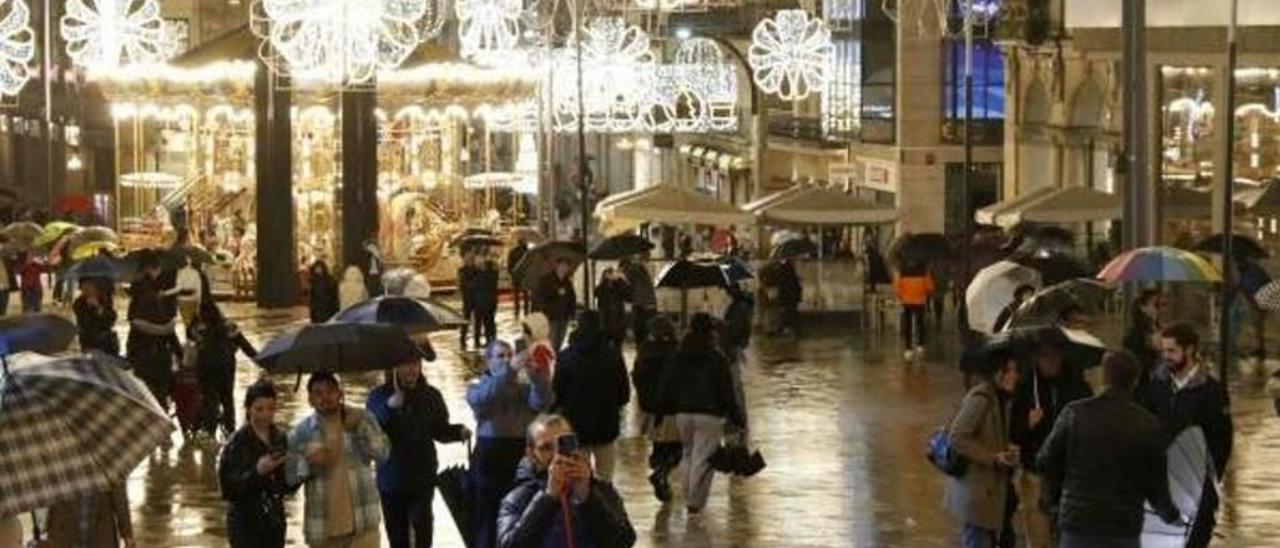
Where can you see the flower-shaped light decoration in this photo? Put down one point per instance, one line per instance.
(790, 54)
(618, 75)
(112, 33)
(17, 46)
(340, 42)
(697, 92)
(488, 27)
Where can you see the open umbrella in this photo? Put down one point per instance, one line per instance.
(1079, 348)
(53, 232)
(338, 347)
(22, 233)
(1159, 264)
(528, 234)
(923, 248)
(43, 333)
(541, 259)
(97, 267)
(1043, 308)
(686, 274)
(472, 242)
(91, 235)
(1268, 298)
(1053, 266)
(618, 247)
(992, 289)
(472, 233)
(735, 269)
(413, 315)
(93, 249)
(1242, 247)
(794, 249)
(74, 203)
(71, 426)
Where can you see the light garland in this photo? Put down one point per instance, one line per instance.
(17, 46)
(339, 42)
(114, 32)
(618, 76)
(487, 27)
(790, 54)
(163, 73)
(696, 93)
(150, 180)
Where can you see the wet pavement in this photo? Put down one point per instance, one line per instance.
(839, 417)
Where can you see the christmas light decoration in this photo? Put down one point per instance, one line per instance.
(17, 46)
(697, 92)
(338, 42)
(486, 27)
(618, 75)
(112, 33)
(790, 54)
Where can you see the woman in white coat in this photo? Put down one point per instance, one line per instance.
(352, 289)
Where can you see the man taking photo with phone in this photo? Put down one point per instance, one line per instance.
(556, 501)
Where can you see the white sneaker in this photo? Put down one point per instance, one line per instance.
(907, 355)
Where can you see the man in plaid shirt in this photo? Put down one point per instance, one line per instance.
(337, 442)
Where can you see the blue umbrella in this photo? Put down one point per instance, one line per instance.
(96, 267)
(40, 333)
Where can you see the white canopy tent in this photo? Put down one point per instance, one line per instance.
(669, 204)
(1008, 213)
(1075, 204)
(814, 205)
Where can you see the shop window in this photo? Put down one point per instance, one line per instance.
(988, 91)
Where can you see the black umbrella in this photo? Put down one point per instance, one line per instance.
(457, 486)
(1043, 308)
(176, 257)
(338, 347)
(735, 458)
(686, 274)
(412, 315)
(474, 241)
(923, 248)
(40, 333)
(1054, 266)
(1030, 237)
(1242, 247)
(623, 245)
(1079, 348)
(541, 259)
(97, 267)
(735, 269)
(794, 249)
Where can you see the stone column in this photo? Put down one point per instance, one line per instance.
(922, 196)
(277, 284)
(359, 175)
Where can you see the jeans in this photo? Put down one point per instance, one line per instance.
(640, 317)
(406, 512)
(31, 300)
(700, 436)
(912, 326)
(976, 537)
(603, 458)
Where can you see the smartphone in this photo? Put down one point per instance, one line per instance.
(567, 444)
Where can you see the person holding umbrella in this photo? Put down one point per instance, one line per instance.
(644, 299)
(913, 286)
(216, 341)
(415, 418)
(152, 344)
(30, 270)
(789, 293)
(556, 298)
(467, 277)
(251, 473)
(612, 294)
(329, 454)
(96, 316)
(1142, 338)
(504, 405)
(484, 299)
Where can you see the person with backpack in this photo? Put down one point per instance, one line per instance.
(591, 388)
(979, 434)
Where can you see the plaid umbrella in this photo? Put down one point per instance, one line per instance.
(414, 315)
(71, 426)
(1268, 298)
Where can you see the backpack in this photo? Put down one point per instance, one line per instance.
(939, 452)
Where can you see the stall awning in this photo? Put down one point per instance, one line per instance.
(1008, 212)
(815, 205)
(669, 204)
(1075, 204)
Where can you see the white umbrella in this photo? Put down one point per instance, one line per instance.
(1189, 465)
(992, 290)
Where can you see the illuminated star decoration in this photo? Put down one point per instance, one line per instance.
(487, 27)
(341, 42)
(790, 55)
(112, 33)
(17, 46)
(618, 73)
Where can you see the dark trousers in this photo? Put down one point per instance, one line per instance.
(1206, 518)
(559, 329)
(408, 512)
(484, 323)
(251, 528)
(217, 400)
(494, 462)
(31, 300)
(520, 301)
(912, 326)
(640, 316)
(4, 302)
(152, 358)
(789, 317)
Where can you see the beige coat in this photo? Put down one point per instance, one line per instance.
(352, 289)
(979, 432)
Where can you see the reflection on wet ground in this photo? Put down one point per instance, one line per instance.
(839, 417)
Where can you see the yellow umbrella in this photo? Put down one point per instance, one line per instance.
(93, 249)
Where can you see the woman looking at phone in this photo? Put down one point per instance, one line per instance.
(251, 473)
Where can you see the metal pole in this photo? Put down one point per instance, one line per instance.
(967, 216)
(1138, 200)
(1228, 255)
(583, 189)
(48, 100)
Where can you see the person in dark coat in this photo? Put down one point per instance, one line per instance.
(1104, 458)
(152, 344)
(1142, 337)
(547, 483)
(555, 298)
(698, 391)
(1040, 397)
(415, 418)
(612, 294)
(8, 283)
(216, 341)
(96, 316)
(591, 388)
(484, 301)
(323, 302)
(251, 474)
(653, 358)
(790, 294)
(644, 299)
(1182, 394)
(467, 275)
(520, 298)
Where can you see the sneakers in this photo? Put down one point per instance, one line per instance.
(661, 489)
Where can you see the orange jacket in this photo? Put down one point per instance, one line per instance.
(913, 290)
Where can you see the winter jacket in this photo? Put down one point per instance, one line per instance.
(255, 503)
(978, 433)
(790, 292)
(591, 388)
(700, 382)
(1137, 339)
(413, 429)
(504, 405)
(324, 297)
(484, 296)
(530, 518)
(611, 301)
(467, 288)
(913, 290)
(735, 332)
(352, 290)
(1202, 402)
(556, 298)
(1104, 458)
(217, 341)
(94, 325)
(1052, 396)
(652, 361)
(643, 294)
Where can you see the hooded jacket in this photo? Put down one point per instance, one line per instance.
(352, 289)
(530, 518)
(591, 386)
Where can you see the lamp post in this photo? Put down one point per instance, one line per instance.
(1226, 349)
(584, 182)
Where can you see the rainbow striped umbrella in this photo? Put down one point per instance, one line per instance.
(1159, 264)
